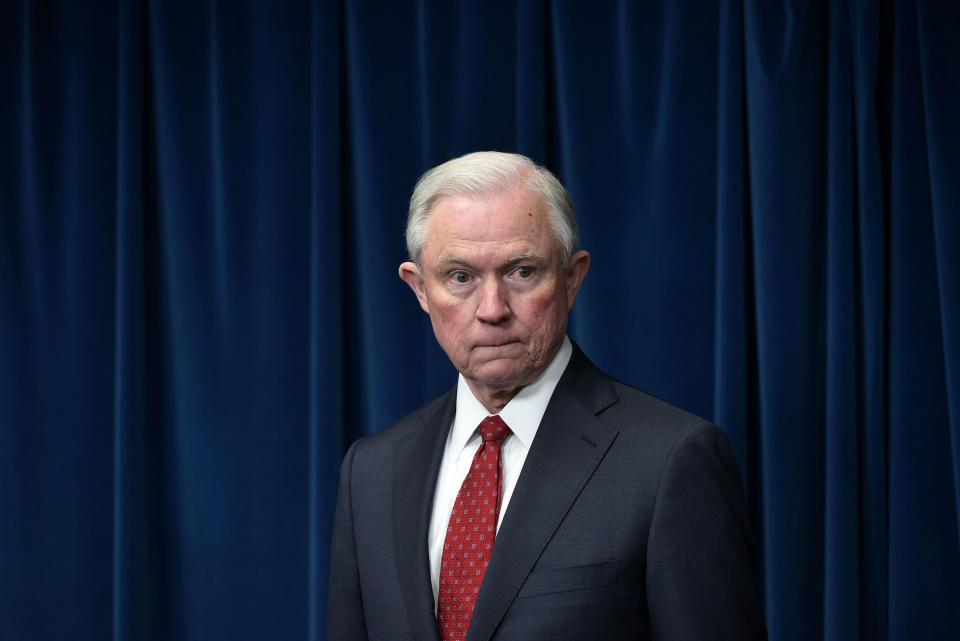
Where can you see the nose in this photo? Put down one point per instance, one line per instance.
(492, 306)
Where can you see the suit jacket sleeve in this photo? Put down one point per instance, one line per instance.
(700, 552)
(345, 619)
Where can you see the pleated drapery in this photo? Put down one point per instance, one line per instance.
(201, 218)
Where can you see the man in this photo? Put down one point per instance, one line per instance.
(538, 499)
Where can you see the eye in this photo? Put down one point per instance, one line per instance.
(461, 277)
(524, 271)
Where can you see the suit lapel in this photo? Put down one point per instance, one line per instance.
(569, 445)
(416, 465)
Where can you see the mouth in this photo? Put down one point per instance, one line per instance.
(496, 344)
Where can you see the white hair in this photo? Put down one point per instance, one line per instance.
(486, 173)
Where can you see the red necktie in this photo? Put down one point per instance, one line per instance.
(470, 533)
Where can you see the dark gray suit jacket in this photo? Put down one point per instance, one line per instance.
(627, 522)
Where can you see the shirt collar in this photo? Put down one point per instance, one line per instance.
(522, 413)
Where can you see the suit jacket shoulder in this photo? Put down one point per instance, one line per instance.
(627, 521)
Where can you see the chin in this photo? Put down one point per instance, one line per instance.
(500, 376)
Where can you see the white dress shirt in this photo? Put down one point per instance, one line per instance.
(522, 415)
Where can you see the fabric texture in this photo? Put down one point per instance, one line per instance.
(201, 217)
(627, 522)
(471, 533)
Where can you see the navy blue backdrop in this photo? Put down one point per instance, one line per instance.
(201, 217)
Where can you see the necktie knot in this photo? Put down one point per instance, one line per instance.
(493, 428)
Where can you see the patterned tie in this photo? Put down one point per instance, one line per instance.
(469, 541)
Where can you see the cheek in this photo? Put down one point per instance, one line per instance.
(442, 308)
(544, 313)
(449, 321)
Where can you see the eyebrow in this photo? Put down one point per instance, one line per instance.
(526, 257)
(445, 261)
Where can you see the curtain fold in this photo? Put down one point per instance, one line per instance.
(326, 352)
(135, 479)
(201, 216)
(939, 81)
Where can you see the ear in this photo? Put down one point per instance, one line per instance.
(577, 269)
(410, 274)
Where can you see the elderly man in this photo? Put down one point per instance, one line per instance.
(539, 498)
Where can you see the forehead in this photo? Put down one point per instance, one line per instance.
(516, 216)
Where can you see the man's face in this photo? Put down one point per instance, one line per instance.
(495, 287)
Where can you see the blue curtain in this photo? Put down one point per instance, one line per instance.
(201, 217)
